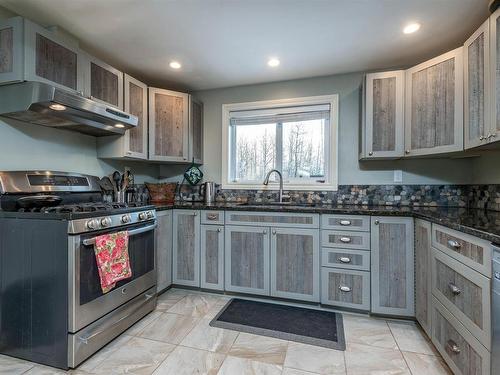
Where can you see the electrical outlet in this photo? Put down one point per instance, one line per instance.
(398, 176)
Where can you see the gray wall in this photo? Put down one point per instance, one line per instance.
(351, 171)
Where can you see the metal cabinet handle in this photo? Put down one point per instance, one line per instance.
(345, 222)
(453, 347)
(345, 239)
(407, 151)
(481, 138)
(370, 153)
(195, 214)
(219, 230)
(274, 232)
(376, 222)
(264, 231)
(454, 289)
(212, 216)
(454, 244)
(344, 259)
(344, 288)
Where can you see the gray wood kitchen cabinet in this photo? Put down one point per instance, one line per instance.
(11, 50)
(134, 143)
(186, 247)
(196, 130)
(494, 133)
(434, 106)
(168, 125)
(247, 259)
(477, 95)
(383, 129)
(345, 288)
(392, 262)
(423, 282)
(212, 256)
(295, 264)
(163, 242)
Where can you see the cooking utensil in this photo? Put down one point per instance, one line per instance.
(106, 185)
(117, 178)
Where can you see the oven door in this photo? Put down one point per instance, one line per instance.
(87, 302)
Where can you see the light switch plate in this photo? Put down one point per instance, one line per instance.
(398, 176)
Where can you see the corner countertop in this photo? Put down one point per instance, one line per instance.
(484, 224)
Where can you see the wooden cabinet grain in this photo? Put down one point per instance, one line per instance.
(196, 130)
(392, 260)
(163, 242)
(345, 288)
(212, 257)
(423, 283)
(494, 76)
(11, 50)
(186, 247)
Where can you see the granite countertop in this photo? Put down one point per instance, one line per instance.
(484, 224)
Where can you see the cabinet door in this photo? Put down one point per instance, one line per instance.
(103, 83)
(163, 240)
(495, 76)
(477, 87)
(136, 103)
(423, 283)
(434, 106)
(196, 130)
(384, 115)
(50, 59)
(345, 288)
(247, 259)
(295, 264)
(11, 50)
(212, 257)
(392, 270)
(186, 247)
(168, 125)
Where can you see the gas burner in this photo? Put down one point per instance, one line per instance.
(83, 207)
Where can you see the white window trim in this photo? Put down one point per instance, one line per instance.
(332, 100)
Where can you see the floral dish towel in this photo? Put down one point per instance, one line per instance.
(111, 254)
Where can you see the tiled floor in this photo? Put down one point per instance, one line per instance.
(177, 340)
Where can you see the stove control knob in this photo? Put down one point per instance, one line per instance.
(125, 219)
(143, 216)
(105, 222)
(150, 214)
(92, 224)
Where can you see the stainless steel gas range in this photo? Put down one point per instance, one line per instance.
(52, 309)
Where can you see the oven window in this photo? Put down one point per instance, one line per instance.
(142, 261)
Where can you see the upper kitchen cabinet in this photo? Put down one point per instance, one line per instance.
(103, 83)
(434, 106)
(196, 130)
(383, 130)
(29, 52)
(134, 143)
(168, 125)
(494, 133)
(477, 88)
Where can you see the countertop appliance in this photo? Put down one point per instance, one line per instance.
(52, 309)
(208, 191)
(495, 309)
(42, 104)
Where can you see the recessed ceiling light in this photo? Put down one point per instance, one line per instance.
(119, 126)
(273, 63)
(57, 107)
(175, 65)
(411, 28)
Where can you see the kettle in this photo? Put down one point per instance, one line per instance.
(207, 191)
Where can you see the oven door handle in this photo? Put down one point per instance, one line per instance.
(133, 232)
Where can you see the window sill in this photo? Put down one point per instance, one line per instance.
(275, 187)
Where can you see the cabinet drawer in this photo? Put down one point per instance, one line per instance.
(212, 217)
(346, 222)
(346, 258)
(346, 240)
(345, 288)
(472, 251)
(461, 351)
(281, 219)
(464, 292)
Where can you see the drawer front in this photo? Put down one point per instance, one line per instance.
(462, 352)
(346, 222)
(472, 251)
(464, 292)
(212, 217)
(345, 288)
(275, 219)
(346, 258)
(346, 240)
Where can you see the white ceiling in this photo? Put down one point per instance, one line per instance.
(225, 43)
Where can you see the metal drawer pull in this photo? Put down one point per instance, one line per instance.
(344, 289)
(344, 260)
(345, 222)
(376, 222)
(453, 347)
(91, 241)
(454, 244)
(454, 289)
(219, 230)
(345, 239)
(212, 216)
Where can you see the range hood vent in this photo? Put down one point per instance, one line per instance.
(37, 103)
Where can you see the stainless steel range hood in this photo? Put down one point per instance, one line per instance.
(42, 104)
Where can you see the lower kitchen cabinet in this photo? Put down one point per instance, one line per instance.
(295, 264)
(247, 259)
(423, 282)
(345, 288)
(392, 272)
(163, 243)
(212, 257)
(186, 247)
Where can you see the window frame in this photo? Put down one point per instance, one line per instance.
(331, 183)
